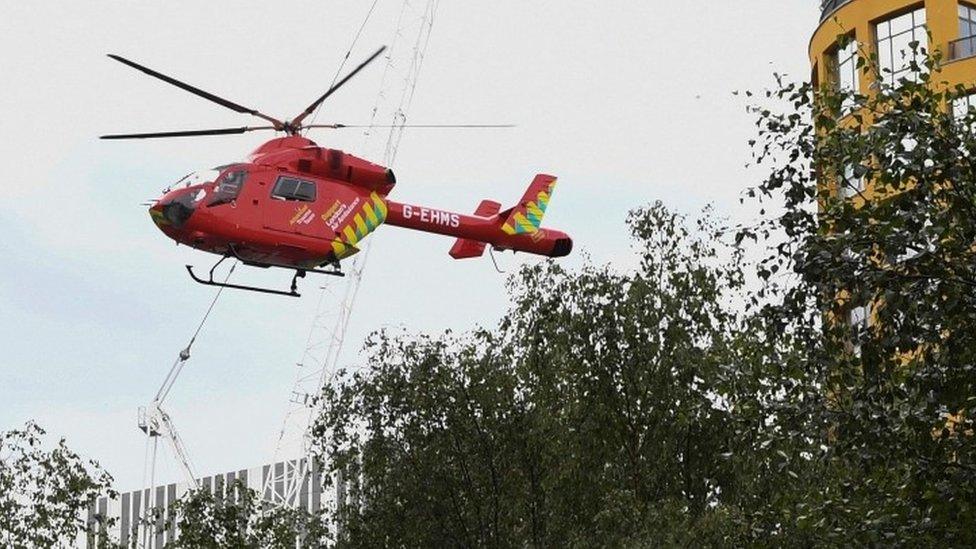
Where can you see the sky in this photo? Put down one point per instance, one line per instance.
(627, 102)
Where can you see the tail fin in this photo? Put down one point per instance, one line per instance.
(463, 247)
(526, 217)
(520, 226)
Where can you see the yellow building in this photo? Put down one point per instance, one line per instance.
(888, 29)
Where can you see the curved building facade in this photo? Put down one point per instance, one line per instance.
(887, 28)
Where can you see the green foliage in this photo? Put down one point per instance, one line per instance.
(695, 399)
(677, 404)
(44, 494)
(239, 518)
(594, 415)
(898, 464)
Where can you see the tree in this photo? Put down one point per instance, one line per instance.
(240, 518)
(897, 458)
(694, 399)
(595, 414)
(645, 407)
(44, 494)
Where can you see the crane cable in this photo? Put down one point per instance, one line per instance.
(184, 355)
(149, 463)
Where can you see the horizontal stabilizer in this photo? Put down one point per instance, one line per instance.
(464, 248)
(488, 208)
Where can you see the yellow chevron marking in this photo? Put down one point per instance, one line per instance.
(342, 251)
(519, 221)
(525, 224)
(360, 225)
(371, 215)
(350, 235)
(158, 218)
(380, 205)
(533, 209)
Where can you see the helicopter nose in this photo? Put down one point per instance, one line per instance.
(173, 210)
(156, 213)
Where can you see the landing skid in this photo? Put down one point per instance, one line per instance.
(293, 292)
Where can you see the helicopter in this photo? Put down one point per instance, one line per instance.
(294, 205)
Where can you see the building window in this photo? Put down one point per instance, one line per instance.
(963, 110)
(924, 243)
(859, 317)
(850, 185)
(845, 80)
(896, 38)
(965, 46)
(289, 188)
(962, 105)
(828, 7)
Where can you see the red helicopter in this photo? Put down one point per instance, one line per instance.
(295, 205)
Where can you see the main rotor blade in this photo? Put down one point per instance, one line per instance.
(197, 91)
(187, 133)
(341, 126)
(298, 119)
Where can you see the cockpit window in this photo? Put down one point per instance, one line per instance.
(290, 188)
(196, 178)
(229, 186)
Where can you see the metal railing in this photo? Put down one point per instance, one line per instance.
(962, 48)
(828, 7)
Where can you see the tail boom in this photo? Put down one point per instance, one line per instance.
(477, 229)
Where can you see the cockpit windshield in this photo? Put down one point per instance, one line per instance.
(229, 185)
(197, 178)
